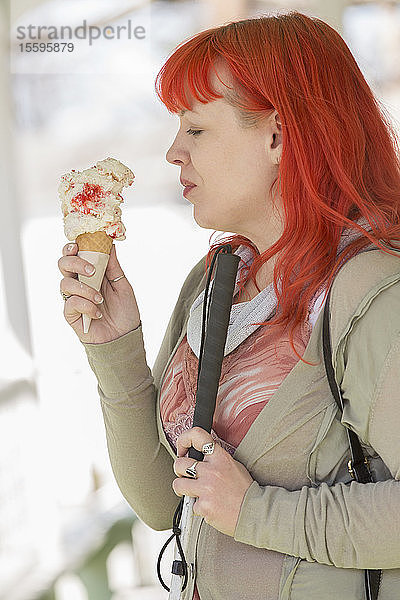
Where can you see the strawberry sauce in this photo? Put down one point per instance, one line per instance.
(90, 200)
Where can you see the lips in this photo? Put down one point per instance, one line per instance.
(187, 183)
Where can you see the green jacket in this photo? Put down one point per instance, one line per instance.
(305, 530)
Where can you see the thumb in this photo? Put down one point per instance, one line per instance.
(113, 269)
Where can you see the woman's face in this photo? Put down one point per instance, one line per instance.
(232, 167)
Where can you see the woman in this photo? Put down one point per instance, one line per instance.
(286, 148)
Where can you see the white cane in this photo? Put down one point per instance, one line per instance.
(185, 525)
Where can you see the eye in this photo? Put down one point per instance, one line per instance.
(194, 131)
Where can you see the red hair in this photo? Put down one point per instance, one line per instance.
(340, 155)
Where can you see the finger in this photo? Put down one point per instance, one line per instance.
(73, 287)
(68, 250)
(70, 266)
(71, 248)
(195, 437)
(76, 306)
(183, 486)
(181, 464)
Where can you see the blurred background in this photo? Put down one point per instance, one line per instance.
(66, 533)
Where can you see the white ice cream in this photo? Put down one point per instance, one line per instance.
(90, 199)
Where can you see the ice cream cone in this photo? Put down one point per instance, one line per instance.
(90, 202)
(95, 248)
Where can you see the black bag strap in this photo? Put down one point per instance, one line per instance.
(358, 465)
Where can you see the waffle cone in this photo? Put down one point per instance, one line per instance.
(98, 241)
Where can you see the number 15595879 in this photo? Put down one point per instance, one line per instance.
(47, 47)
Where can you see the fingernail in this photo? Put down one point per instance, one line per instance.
(98, 314)
(70, 247)
(98, 298)
(89, 269)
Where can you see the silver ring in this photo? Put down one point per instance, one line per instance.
(65, 296)
(192, 470)
(117, 278)
(208, 448)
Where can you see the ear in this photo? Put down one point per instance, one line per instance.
(276, 146)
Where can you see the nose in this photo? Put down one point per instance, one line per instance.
(177, 155)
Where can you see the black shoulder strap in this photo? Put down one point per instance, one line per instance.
(358, 465)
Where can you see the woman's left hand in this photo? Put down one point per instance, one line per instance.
(221, 483)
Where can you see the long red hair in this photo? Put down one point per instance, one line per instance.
(340, 155)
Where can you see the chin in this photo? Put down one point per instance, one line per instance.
(207, 223)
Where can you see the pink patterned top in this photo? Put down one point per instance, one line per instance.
(250, 375)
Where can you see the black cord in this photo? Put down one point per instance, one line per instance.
(176, 533)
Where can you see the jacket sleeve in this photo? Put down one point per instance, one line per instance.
(351, 525)
(142, 466)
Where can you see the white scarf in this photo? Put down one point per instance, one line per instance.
(245, 316)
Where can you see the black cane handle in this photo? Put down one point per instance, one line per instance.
(214, 343)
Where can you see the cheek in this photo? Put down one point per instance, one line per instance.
(228, 173)
(225, 181)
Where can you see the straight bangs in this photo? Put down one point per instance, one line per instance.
(185, 74)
